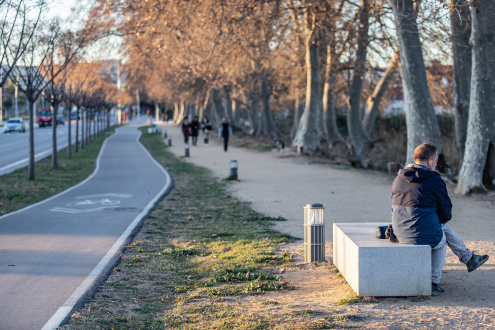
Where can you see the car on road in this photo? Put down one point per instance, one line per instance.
(45, 117)
(73, 115)
(60, 119)
(15, 124)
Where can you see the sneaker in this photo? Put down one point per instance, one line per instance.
(476, 261)
(436, 290)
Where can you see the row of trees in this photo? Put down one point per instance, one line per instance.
(315, 56)
(44, 56)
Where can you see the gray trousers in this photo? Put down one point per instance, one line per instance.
(438, 253)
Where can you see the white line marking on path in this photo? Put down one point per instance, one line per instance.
(106, 195)
(75, 211)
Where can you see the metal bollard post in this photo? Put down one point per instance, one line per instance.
(314, 233)
(186, 150)
(233, 169)
(169, 141)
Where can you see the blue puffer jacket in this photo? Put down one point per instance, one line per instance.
(420, 203)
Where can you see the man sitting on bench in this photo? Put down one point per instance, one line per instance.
(421, 208)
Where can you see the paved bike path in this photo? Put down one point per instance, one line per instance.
(52, 254)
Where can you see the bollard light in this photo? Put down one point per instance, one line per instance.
(164, 133)
(186, 150)
(233, 169)
(314, 233)
(169, 141)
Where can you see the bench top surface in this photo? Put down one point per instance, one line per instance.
(363, 235)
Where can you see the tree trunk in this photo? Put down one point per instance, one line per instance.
(219, 110)
(69, 134)
(31, 140)
(96, 124)
(460, 21)
(76, 146)
(181, 109)
(108, 120)
(267, 126)
(360, 140)
(298, 111)
(308, 134)
(481, 131)
(373, 102)
(252, 101)
(237, 112)
(83, 128)
(176, 112)
(55, 105)
(329, 99)
(203, 109)
(157, 112)
(89, 136)
(422, 124)
(228, 104)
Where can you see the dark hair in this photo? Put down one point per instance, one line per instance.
(424, 151)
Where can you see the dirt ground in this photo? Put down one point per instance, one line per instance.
(280, 184)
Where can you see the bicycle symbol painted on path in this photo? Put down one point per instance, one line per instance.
(103, 202)
(93, 203)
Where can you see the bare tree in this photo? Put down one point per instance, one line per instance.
(16, 31)
(374, 100)
(308, 134)
(460, 18)
(478, 166)
(37, 70)
(422, 125)
(360, 140)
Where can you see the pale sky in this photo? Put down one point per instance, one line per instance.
(61, 8)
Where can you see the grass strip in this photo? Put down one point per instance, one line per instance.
(197, 257)
(17, 192)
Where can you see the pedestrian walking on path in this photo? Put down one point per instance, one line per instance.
(206, 129)
(195, 130)
(224, 132)
(186, 130)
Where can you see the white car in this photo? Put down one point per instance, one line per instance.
(15, 125)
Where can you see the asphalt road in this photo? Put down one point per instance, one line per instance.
(54, 253)
(14, 147)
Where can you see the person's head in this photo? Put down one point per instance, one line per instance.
(426, 154)
(195, 118)
(205, 117)
(186, 119)
(224, 120)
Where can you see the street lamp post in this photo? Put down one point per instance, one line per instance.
(314, 233)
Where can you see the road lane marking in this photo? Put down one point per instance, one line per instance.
(37, 157)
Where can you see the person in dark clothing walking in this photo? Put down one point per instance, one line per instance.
(186, 130)
(206, 129)
(195, 130)
(224, 132)
(421, 208)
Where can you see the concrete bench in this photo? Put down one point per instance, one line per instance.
(378, 268)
